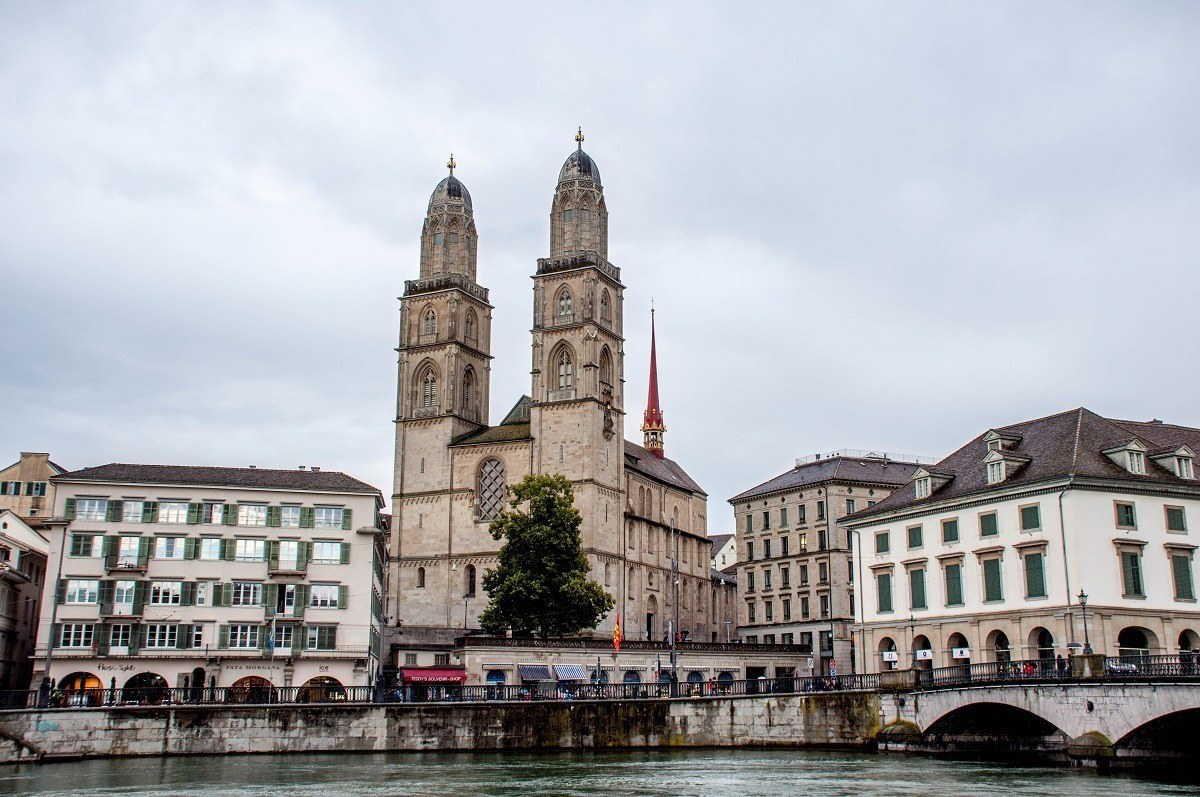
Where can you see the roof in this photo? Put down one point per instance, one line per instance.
(718, 540)
(641, 460)
(579, 165)
(450, 188)
(255, 478)
(515, 426)
(1061, 446)
(854, 470)
(724, 576)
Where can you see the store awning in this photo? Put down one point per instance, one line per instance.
(433, 675)
(571, 672)
(534, 672)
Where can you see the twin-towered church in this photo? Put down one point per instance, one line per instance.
(453, 466)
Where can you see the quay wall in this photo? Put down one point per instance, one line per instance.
(846, 719)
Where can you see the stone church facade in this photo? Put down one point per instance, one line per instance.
(453, 468)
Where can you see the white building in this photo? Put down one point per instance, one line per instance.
(983, 556)
(22, 576)
(174, 576)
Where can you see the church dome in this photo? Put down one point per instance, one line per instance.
(579, 166)
(450, 189)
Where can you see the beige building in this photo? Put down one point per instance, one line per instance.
(795, 573)
(26, 487)
(990, 554)
(724, 550)
(23, 552)
(641, 510)
(179, 576)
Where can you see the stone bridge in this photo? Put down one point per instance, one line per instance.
(1092, 722)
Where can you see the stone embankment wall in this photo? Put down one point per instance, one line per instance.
(822, 720)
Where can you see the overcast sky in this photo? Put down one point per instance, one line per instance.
(880, 225)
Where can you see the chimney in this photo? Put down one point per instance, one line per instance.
(303, 467)
(252, 467)
(316, 469)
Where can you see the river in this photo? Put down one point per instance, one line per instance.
(740, 772)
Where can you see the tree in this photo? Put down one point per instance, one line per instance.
(541, 585)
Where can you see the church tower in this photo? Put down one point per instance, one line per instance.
(653, 429)
(443, 375)
(578, 358)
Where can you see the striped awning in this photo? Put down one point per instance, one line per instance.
(570, 672)
(534, 672)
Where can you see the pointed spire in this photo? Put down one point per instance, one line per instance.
(450, 164)
(652, 423)
(579, 137)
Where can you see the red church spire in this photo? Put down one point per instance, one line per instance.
(652, 423)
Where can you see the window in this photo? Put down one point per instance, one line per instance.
(1031, 517)
(252, 515)
(787, 639)
(954, 591)
(766, 578)
(120, 636)
(1126, 516)
(243, 636)
(491, 489)
(131, 511)
(1035, 575)
(469, 326)
(750, 611)
(161, 635)
(923, 487)
(916, 588)
(750, 552)
(246, 593)
(328, 517)
(824, 603)
(787, 609)
(324, 596)
(250, 550)
(850, 506)
(992, 587)
(87, 545)
(166, 593)
(1131, 574)
(883, 592)
(210, 548)
(427, 396)
(90, 508)
(916, 537)
(950, 530)
(566, 306)
(766, 549)
(783, 517)
(804, 608)
(768, 611)
(766, 519)
(168, 547)
(820, 510)
(1181, 571)
(995, 472)
(420, 578)
(289, 554)
(1176, 520)
(124, 595)
(566, 369)
(784, 546)
(429, 322)
(129, 551)
(201, 593)
(82, 591)
(822, 539)
(605, 309)
(39, 489)
(749, 581)
(289, 517)
(804, 542)
(172, 512)
(987, 525)
(749, 524)
(785, 577)
(1137, 461)
(804, 575)
(822, 572)
(883, 542)
(284, 635)
(1183, 468)
(213, 513)
(76, 635)
(802, 510)
(326, 552)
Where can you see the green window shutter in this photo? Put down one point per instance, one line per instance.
(1035, 576)
(112, 511)
(194, 513)
(332, 640)
(274, 516)
(270, 598)
(272, 554)
(304, 552)
(191, 548)
(345, 553)
(223, 637)
(749, 524)
(112, 544)
(1131, 564)
(883, 543)
(883, 584)
(346, 523)
(950, 530)
(307, 516)
(60, 592)
(988, 526)
(1182, 568)
(229, 516)
(1031, 517)
(915, 537)
(149, 511)
(992, 588)
(228, 549)
(187, 593)
(264, 633)
(69, 509)
(343, 596)
(916, 583)
(954, 596)
(303, 596)
(145, 546)
(1176, 520)
(183, 636)
(297, 639)
(135, 638)
(102, 635)
(140, 590)
(107, 591)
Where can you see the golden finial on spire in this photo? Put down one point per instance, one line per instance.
(451, 164)
(579, 137)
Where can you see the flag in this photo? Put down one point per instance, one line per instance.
(617, 635)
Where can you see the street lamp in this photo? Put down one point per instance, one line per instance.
(727, 624)
(912, 639)
(1087, 643)
(466, 600)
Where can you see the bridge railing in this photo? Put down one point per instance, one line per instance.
(995, 672)
(1186, 664)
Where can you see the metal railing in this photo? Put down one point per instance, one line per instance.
(1185, 665)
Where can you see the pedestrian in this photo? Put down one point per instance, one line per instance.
(1061, 665)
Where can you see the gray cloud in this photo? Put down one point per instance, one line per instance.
(864, 225)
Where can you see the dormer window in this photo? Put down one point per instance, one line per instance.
(1135, 461)
(1183, 468)
(993, 445)
(923, 487)
(995, 472)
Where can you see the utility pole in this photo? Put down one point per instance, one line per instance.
(674, 601)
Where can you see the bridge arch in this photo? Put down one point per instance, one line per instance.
(992, 719)
(1171, 735)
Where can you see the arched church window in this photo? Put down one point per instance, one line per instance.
(491, 489)
(420, 578)
(606, 378)
(468, 389)
(566, 369)
(427, 388)
(429, 322)
(605, 309)
(469, 582)
(566, 305)
(470, 324)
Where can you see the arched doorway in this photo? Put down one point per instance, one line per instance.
(1041, 644)
(145, 688)
(631, 677)
(251, 689)
(321, 689)
(922, 653)
(889, 657)
(1136, 641)
(694, 677)
(998, 646)
(724, 681)
(196, 685)
(80, 689)
(958, 649)
(1189, 640)
(499, 678)
(651, 613)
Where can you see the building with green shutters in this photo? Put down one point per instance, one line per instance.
(188, 577)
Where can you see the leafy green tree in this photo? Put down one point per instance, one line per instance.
(541, 586)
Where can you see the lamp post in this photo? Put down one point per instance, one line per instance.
(1087, 643)
(727, 623)
(466, 600)
(912, 639)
